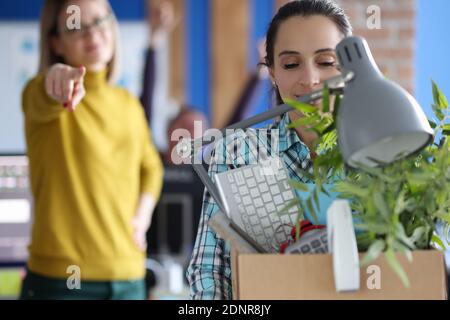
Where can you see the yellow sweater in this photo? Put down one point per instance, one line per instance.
(87, 170)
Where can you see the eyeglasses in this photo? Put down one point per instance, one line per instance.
(98, 24)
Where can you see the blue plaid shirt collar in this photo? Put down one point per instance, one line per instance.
(288, 137)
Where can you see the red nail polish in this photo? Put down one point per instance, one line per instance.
(65, 104)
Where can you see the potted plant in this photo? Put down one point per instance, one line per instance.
(397, 207)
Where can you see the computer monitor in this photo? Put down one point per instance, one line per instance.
(175, 220)
(15, 209)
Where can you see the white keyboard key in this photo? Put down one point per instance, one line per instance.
(246, 222)
(251, 182)
(246, 200)
(277, 200)
(258, 202)
(239, 178)
(286, 185)
(271, 179)
(270, 207)
(274, 190)
(241, 208)
(263, 187)
(230, 177)
(265, 221)
(287, 195)
(261, 212)
(257, 174)
(286, 219)
(234, 188)
(293, 209)
(243, 190)
(281, 237)
(258, 230)
(254, 192)
(248, 173)
(266, 197)
(274, 218)
(268, 233)
(261, 240)
(250, 210)
(248, 229)
(237, 198)
(254, 220)
(282, 174)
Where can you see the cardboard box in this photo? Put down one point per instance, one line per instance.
(303, 277)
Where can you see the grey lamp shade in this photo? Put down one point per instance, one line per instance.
(378, 121)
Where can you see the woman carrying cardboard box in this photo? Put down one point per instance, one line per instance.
(300, 55)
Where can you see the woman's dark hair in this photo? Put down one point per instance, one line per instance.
(304, 8)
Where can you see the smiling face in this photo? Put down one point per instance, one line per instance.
(304, 55)
(92, 46)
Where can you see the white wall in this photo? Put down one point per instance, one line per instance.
(19, 61)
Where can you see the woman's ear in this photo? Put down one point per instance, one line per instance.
(272, 76)
(56, 45)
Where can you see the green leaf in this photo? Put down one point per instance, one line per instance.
(364, 240)
(323, 124)
(444, 217)
(316, 198)
(301, 106)
(418, 233)
(408, 254)
(446, 129)
(378, 172)
(311, 210)
(298, 185)
(438, 96)
(432, 124)
(403, 238)
(329, 129)
(400, 204)
(323, 190)
(297, 229)
(396, 266)
(350, 188)
(306, 120)
(380, 203)
(446, 233)
(374, 251)
(294, 202)
(306, 174)
(372, 227)
(437, 112)
(436, 240)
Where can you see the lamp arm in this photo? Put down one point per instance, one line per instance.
(334, 84)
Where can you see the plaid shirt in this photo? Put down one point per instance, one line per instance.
(209, 271)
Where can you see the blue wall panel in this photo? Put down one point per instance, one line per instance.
(23, 10)
(198, 55)
(432, 50)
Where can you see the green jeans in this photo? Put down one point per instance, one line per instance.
(37, 287)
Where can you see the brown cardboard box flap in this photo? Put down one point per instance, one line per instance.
(287, 277)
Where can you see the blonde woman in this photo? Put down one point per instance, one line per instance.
(95, 174)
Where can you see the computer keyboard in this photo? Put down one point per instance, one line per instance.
(255, 199)
(314, 241)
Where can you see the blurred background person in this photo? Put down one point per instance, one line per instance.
(95, 174)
